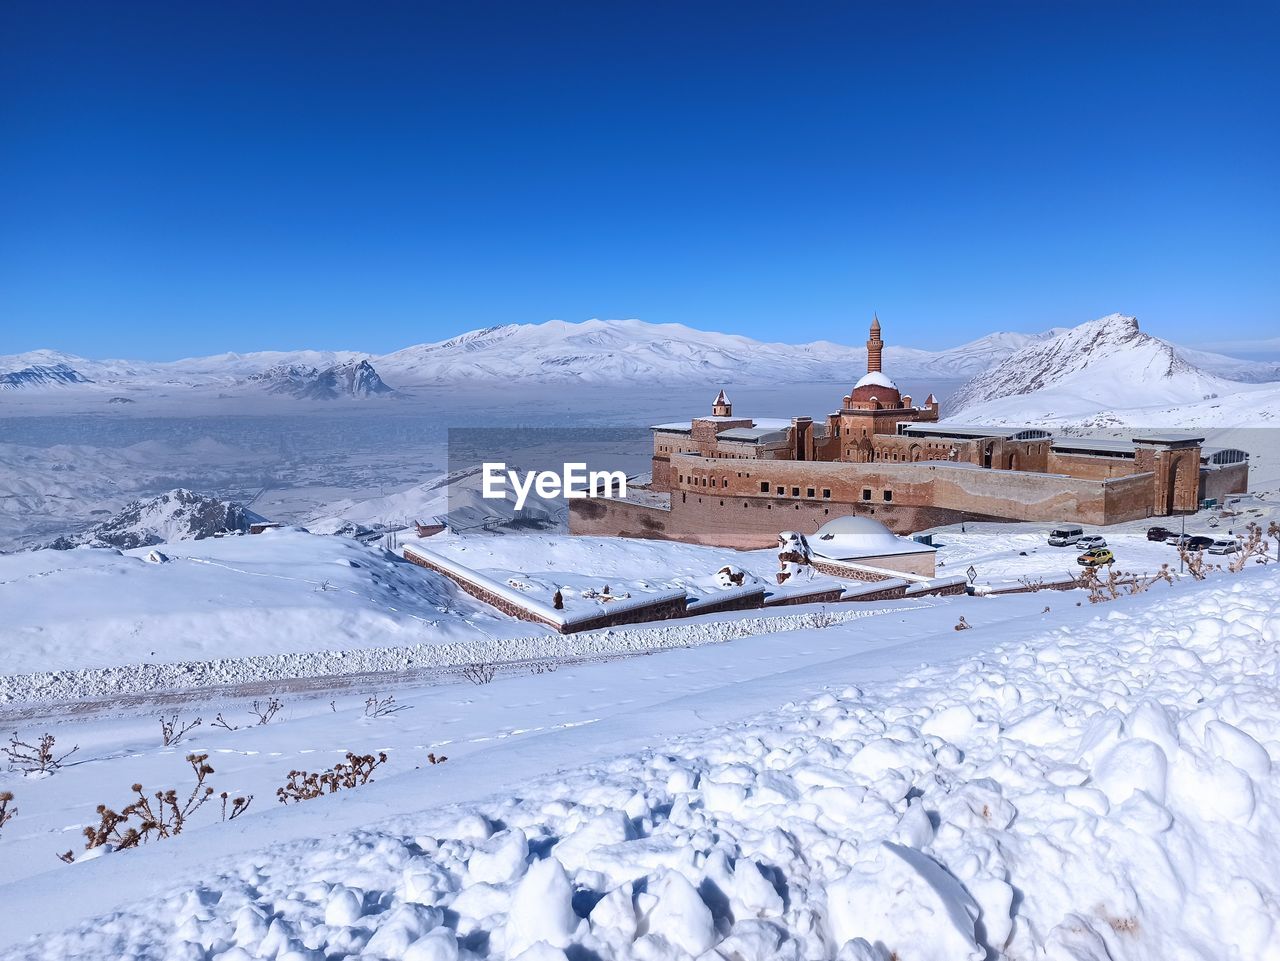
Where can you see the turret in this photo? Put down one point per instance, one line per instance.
(721, 407)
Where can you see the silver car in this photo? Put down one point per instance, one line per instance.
(1224, 547)
(1090, 542)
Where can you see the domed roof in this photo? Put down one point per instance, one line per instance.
(875, 379)
(848, 537)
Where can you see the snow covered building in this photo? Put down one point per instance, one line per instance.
(736, 481)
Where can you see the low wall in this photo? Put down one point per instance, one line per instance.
(662, 608)
(884, 585)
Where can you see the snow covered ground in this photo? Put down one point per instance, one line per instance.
(1080, 783)
(1006, 554)
(280, 592)
(286, 604)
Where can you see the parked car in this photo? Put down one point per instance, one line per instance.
(1224, 547)
(1096, 557)
(1158, 533)
(1092, 541)
(1178, 540)
(1065, 536)
(1200, 543)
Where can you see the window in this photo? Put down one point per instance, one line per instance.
(764, 487)
(724, 482)
(781, 490)
(866, 493)
(795, 492)
(811, 493)
(888, 496)
(826, 492)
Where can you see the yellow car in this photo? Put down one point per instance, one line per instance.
(1096, 557)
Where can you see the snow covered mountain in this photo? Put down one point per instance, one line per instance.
(616, 352)
(1108, 362)
(632, 351)
(351, 379)
(42, 375)
(177, 515)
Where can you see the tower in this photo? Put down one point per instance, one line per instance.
(874, 346)
(721, 406)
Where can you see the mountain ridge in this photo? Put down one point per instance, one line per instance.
(591, 352)
(1108, 362)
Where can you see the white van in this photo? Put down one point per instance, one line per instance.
(1065, 536)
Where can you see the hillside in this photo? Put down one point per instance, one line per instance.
(42, 375)
(1109, 362)
(350, 379)
(177, 515)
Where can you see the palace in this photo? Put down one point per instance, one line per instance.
(737, 481)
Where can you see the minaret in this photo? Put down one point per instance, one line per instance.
(874, 346)
(721, 406)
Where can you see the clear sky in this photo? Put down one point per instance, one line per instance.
(188, 178)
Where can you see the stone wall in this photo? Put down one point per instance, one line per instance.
(1222, 481)
(600, 517)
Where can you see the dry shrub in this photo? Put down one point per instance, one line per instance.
(480, 673)
(264, 712)
(1119, 583)
(149, 816)
(963, 625)
(173, 729)
(304, 785)
(1254, 545)
(1195, 563)
(38, 758)
(377, 706)
(435, 758)
(7, 814)
(238, 806)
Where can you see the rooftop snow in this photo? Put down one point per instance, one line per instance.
(976, 430)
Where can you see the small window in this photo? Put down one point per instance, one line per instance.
(888, 495)
(826, 492)
(764, 487)
(795, 492)
(866, 493)
(811, 493)
(781, 490)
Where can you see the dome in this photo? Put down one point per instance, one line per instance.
(875, 386)
(848, 537)
(875, 379)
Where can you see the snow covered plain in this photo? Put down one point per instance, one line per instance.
(1080, 784)
(287, 604)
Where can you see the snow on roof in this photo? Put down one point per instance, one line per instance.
(1095, 445)
(974, 430)
(875, 378)
(754, 435)
(850, 537)
(542, 609)
(757, 423)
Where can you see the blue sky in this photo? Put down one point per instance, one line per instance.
(185, 178)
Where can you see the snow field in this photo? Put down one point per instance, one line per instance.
(1101, 788)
